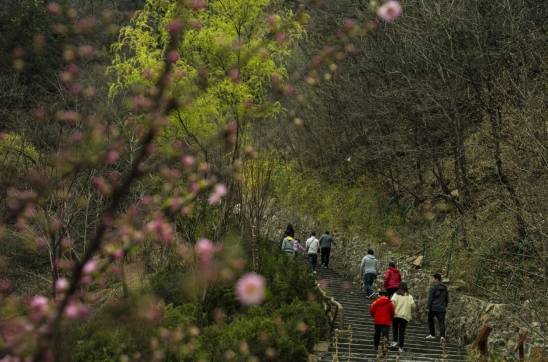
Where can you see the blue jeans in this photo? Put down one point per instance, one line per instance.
(368, 280)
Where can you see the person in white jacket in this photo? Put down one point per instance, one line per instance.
(403, 308)
(312, 248)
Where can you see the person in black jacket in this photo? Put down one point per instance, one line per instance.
(438, 298)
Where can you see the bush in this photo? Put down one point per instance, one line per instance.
(106, 338)
(287, 334)
(304, 321)
(288, 278)
(167, 283)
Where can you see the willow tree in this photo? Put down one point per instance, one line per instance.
(224, 63)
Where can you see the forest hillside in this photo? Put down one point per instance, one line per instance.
(153, 152)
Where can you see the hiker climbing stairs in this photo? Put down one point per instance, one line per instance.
(354, 339)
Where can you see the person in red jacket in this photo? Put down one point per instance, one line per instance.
(392, 279)
(382, 311)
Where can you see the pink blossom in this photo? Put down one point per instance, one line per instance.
(73, 69)
(118, 254)
(76, 310)
(199, 4)
(349, 23)
(205, 250)
(281, 37)
(5, 285)
(196, 24)
(101, 184)
(90, 266)
(289, 89)
(39, 302)
(390, 11)
(54, 8)
(112, 156)
(160, 229)
(250, 289)
(234, 75)
(19, 52)
(172, 56)
(40, 112)
(68, 116)
(316, 60)
(175, 26)
(218, 193)
(86, 51)
(188, 161)
(39, 306)
(61, 285)
(41, 243)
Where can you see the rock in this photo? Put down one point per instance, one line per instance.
(418, 261)
(321, 347)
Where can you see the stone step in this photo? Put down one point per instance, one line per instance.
(356, 315)
(409, 343)
(412, 349)
(371, 357)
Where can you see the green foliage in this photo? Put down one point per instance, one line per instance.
(288, 333)
(182, 315)
(16, 156)
(167, 283)
(232, 56)
(354, 209)
(41, 62)
(289, 278)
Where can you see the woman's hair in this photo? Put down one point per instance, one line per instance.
(289, 231)
(403, 289)
(392, 264)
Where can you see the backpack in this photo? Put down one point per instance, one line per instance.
(287, 245)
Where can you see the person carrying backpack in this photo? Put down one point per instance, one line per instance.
(392, 279)
(438, 298)
(369, 268)
(325, 246)
(382, 311)
(312, 248)
(403, 305)
(288, 245)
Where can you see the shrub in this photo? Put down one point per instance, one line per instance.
(287, 334)
(167, 283)
(288, 278)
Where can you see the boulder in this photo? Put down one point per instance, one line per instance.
(418, 261)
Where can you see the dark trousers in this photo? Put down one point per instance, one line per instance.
(368, 280)
(325, 256)
(313, 260)
(380, 331)
(398, 330)
(391, 292)
(440, 316)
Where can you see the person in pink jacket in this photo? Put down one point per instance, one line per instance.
(392, 279)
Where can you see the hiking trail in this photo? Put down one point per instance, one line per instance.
(359, 321)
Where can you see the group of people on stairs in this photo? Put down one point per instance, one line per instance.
(313, 246)
(393, 306)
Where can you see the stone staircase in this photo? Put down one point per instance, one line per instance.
(358, 345)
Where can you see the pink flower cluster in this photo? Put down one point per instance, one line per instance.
(217, 195)
(205, 250)
(39, 307)
(250, 289)
(77, 310)
(390, 11)
(160, 229)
